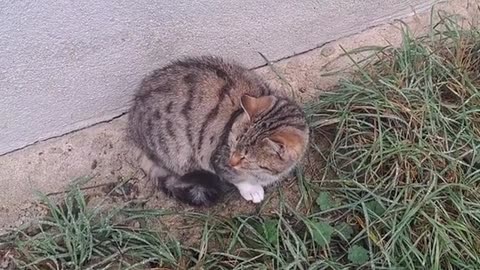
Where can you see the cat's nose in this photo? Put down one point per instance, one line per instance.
(235, 159)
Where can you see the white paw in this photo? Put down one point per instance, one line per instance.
(251, 192)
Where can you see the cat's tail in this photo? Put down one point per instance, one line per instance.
(197, 188)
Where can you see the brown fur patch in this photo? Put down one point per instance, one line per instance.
(292, 139)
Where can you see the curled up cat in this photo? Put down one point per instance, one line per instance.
(206, 123)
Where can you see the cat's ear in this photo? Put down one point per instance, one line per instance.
(254, 106)
(288, 142)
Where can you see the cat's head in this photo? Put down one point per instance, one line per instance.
(270, 137)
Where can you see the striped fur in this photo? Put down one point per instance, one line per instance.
(203, 123)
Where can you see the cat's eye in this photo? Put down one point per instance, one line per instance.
(264, 168)
(279, 155)
(278, 148)
(279, 151)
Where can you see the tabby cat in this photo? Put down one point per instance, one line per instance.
(205, 123)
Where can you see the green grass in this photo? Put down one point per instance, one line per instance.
(400, 190)
(74, 236)
(408, 141)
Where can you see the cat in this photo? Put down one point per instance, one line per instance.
(204, 123)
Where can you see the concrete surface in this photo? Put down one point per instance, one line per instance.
(65, 64)
(101, 151)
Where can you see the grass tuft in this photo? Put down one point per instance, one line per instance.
(407, 150)
(74, 236)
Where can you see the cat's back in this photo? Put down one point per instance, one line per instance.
(183, 107)
(196, 88)
(203, 78)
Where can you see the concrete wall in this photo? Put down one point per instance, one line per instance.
(68, 64)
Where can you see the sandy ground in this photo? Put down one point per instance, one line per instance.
(102, 153)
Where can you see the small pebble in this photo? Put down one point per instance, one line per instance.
(25, 206)
(328, 50)
(94, 164)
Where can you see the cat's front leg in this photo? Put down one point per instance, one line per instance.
(251, 192)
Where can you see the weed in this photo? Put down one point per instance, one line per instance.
(408, 135)
(74, 236)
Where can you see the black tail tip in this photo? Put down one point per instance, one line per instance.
(198, 188)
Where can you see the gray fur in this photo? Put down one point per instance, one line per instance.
(188, 117)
